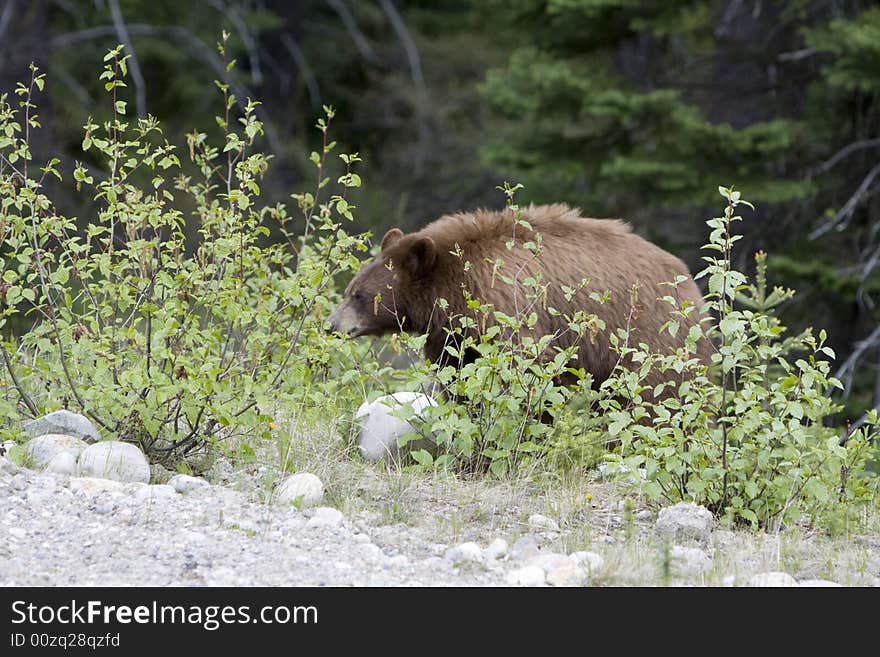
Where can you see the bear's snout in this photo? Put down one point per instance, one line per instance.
(341, 321)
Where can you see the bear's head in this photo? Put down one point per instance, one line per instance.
(392, 292)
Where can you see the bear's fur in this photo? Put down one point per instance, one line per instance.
(400, 288)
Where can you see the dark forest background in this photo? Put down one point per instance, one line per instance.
(626, 108)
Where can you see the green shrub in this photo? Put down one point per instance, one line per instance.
(168, 328)
(752, 444)
(748, 440)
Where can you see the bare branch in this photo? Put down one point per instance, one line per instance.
(6, 17)
(360, 41)
(855, 426)
(870, 265)
(73, 86)
(197, 47)
(412, 53)
(848, 367)
(845, 152)
(846, 211)
(136, 75)
(303, 65)
(231, 11)
(727, 18)
(415, 67)
(21, 393)
(796, 55)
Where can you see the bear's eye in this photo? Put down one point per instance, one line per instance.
(360, 297)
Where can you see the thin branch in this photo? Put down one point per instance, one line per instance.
(412, 53)
(855, 426)
(861, 347)
(303, 65)
(796, 55)
(6, 17)
(360, 41)
(73, 86)
(21, 393)
(231, 11)
(140, 86)
(415, 67)
(727, 18)
(870, 265)
(846, 211)
(845, 152)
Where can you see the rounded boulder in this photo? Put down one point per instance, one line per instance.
(303, 489)
(114, 460)
(379, 426)
(41, 451)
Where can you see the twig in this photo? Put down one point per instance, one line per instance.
(845, 152)
(861, 347)
(6, 16)
(136, 75)
(360, 41)
(415, 67)
(231, 11)
(21, 393)
(303, 65)
(846, 211)
(796, 55)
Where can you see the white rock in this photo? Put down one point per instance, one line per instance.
(773, 579)
(302, 489)
(589, 560)
(684, 522)
(114, 460)
(689, 561)
(370, 552)
(154, 493)
(548, 561)
(41, 450)
(542, 523)
(325, 516)
(91, 486)
(17, 532)
(65, 422)
(497, 549)
(528, 576)
(379, 430)
(183, 484)
(63, 463)
(567, 575)
(818, 583)
(469, 551)
(524, 548)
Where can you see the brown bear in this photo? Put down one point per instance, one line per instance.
(400, 288)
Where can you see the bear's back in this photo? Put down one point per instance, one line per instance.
(571, 243)
(554, 222)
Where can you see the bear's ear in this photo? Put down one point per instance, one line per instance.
(420, 257)
(391, 238)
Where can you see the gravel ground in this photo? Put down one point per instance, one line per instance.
(69, 531)
(57, 530)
